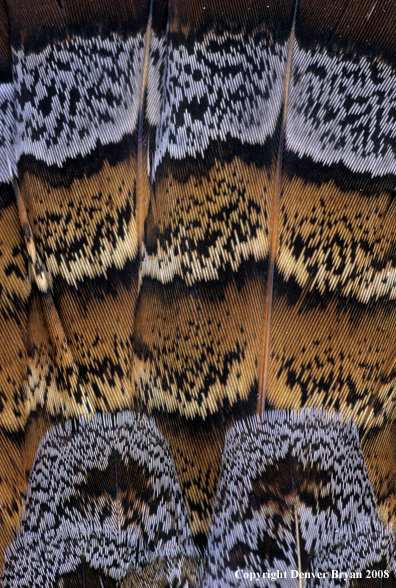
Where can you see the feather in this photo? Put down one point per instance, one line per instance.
(197, 232)
(103, 495)
(294, 469)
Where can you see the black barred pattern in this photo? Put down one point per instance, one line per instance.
(7, 131)
(232, 88)
(104, 492)
(294, 494)
(343, 104)
(80, 92)
(206, 191)
(217, 89)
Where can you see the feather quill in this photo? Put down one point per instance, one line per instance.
(274, 224)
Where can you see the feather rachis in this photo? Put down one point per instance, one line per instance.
(265, 349)
(141, 184)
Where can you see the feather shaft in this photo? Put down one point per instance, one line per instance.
(265, 347)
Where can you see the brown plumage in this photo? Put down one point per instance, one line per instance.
(198, 224)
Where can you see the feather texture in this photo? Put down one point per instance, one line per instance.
(103, 494)
(294, 470)
(197, 225)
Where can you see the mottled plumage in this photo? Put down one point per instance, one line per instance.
(198, 261)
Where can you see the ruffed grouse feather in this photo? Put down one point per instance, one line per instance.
(198, 293)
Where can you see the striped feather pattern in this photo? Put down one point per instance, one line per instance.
(197, 263)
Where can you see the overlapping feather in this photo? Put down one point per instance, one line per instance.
(206, 198)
